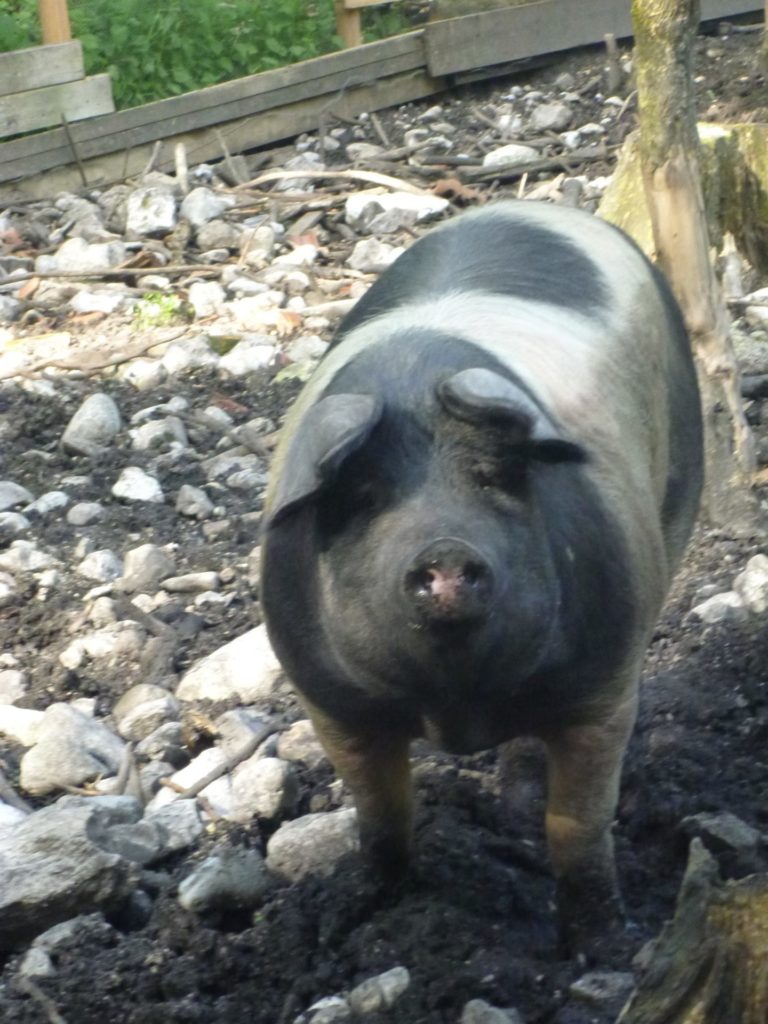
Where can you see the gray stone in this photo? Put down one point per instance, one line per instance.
(231, 880)
(606, 989)
(143, 720)
(329, 1010)
(246, 668)
(52, 868)
(10, 308)
(12, 494)
(727, 607)
(722, 832)
(71, 749)
(361, 208)
(36, 963)
(381, 992)
(103, 565)
(312, 844)
(158, 433)
(12, 523)
(164, 743)
(192, 583)
(218, 793)
(362, 152)
(510, 155)
(203, 204)
(193, 502)
(93, 426)
(218, 234)
(85, 513)
(141, 842)
(146, 566)
(150, 211)
(370, 256)
(181, 822)
(119, 642)
(76, 928)
(49, 502)
(143, 374)
(477, 1011)
(188, 355)
(551, 117)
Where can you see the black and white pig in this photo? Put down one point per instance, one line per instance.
(475, 512)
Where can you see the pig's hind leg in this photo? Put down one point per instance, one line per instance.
(375, 766)
(584, 768)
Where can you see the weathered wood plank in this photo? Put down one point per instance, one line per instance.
(40, 66)
(246, 133)
(334, 74)
(38, 108)
(545, 26)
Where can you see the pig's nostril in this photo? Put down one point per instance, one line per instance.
(419, 581)
(474, 573)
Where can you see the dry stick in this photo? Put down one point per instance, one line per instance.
(127, 609)
(555, 163)
(154, 156)
(378, 127)
(182, 168)
(75, 151)
(614, 75)
(124, 771)
(371, 177)
(10, 796)
(46, 1003)
(118, 272)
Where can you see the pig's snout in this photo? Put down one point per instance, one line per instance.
(449, 582)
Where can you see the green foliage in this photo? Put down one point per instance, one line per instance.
(158, 309)
(154, 50)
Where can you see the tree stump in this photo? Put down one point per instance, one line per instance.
(709, 965)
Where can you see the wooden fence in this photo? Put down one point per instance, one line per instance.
(275, 105)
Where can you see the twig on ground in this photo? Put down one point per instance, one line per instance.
(45, 1002)
(370, 177)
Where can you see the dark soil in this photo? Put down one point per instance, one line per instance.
(476, 919)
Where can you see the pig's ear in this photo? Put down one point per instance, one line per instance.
(486, 398)
(328, 434)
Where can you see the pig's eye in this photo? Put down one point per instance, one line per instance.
(504, 478)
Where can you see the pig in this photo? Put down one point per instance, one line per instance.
(475, 511)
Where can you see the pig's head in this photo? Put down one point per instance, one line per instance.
(434, 559)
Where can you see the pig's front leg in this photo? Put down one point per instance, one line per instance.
(375, 766)
(583, 787)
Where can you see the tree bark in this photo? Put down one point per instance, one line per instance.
(709, 965)
(664, 33)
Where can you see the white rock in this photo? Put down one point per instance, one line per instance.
(300, 743)
(206, 298)
(218, 793)
(604, 988)
(143, 720)
(48, 502)
(361, 152)
(193, 502)
(157, 433)
(10, 816)
(303, 162)
(20, 724)
(93, 426)
(306, 346)
(265, 787)
(192, 583)
(302, 256)
(509, 156)
(237, 727)
(188, 355)
(12, 494)
(245, 668)
(329, 1010)
(8, 589)
(752, 584)
(101, 565)
(361, 207)
(251, 353)
(119, 641)
(134, 484)
(85, 513)
(71, 749)
(370, 256)
(727, 607)
(24, 556)
(151, 211)
(104, 301)
(380, 992)
(78, 256)
(143, 374)
(233, 880)
(312, 844)
(203, 204)
(13, 685)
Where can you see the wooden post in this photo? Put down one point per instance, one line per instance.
(54, 21)
(348, 24)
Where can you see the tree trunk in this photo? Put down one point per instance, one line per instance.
(664, 33)
(709, 965)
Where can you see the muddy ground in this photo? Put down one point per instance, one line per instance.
(476, 918)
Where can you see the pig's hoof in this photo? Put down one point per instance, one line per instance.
(593, 926)
(388, 861)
